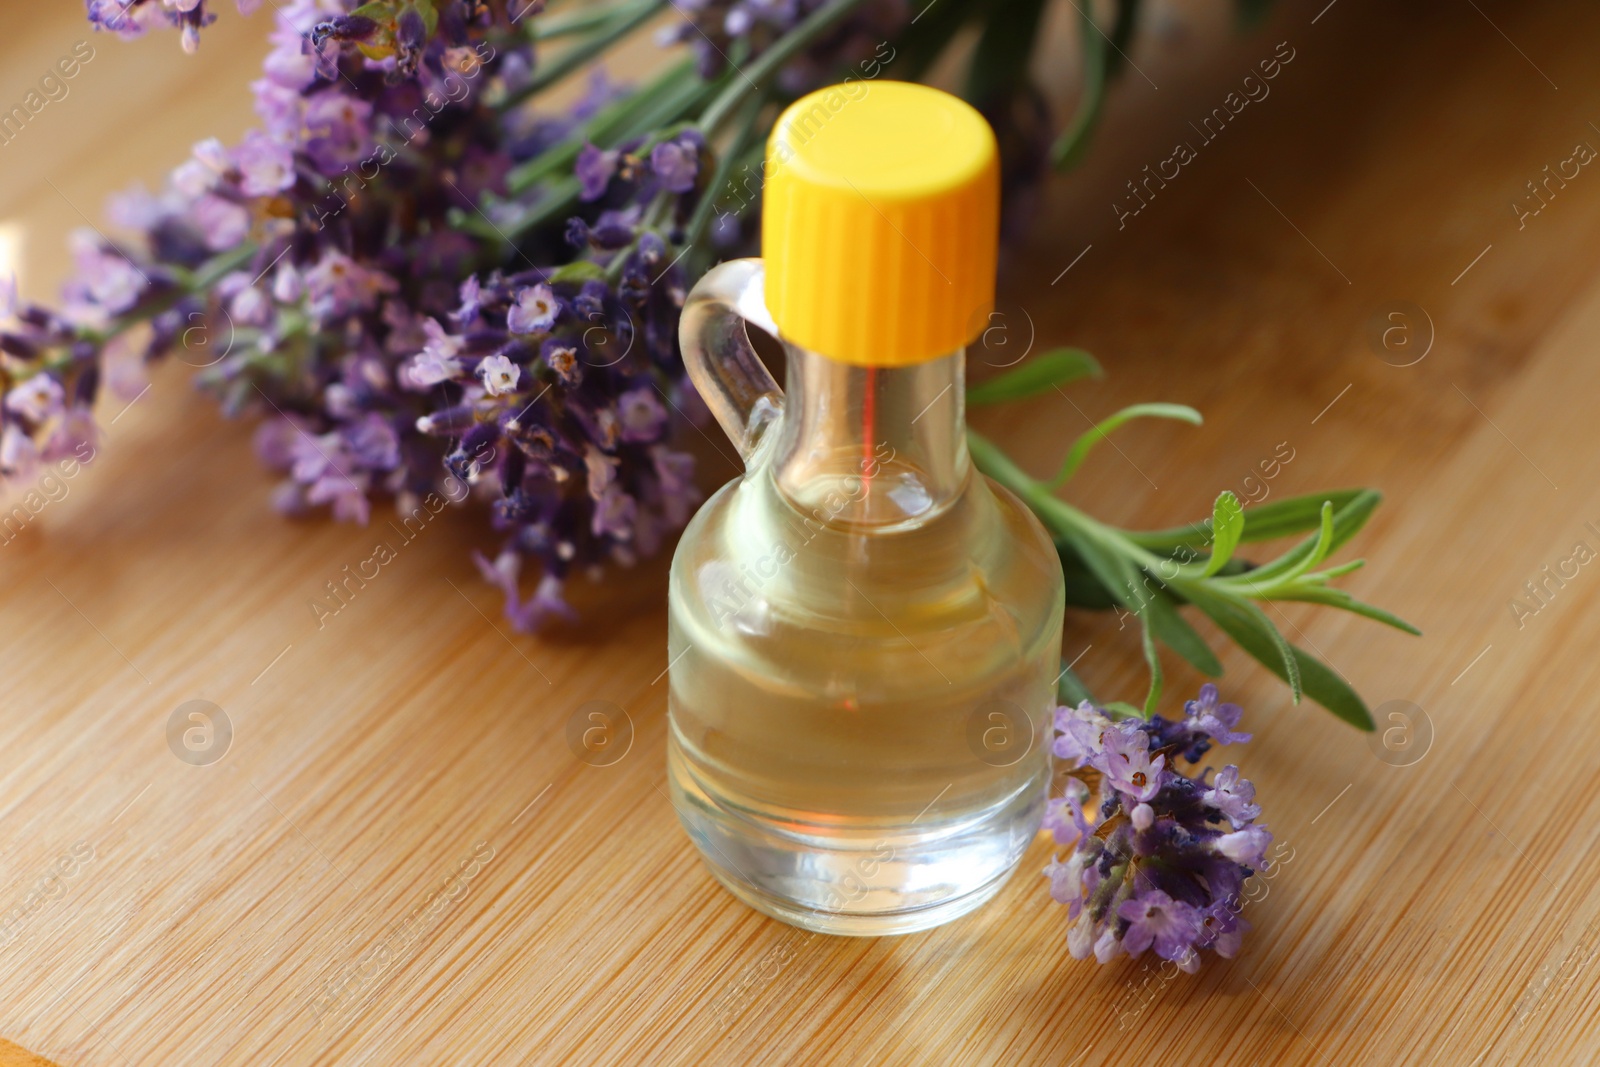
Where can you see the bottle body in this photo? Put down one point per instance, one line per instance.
(864, 636)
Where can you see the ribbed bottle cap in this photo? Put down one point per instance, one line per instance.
(880, 223)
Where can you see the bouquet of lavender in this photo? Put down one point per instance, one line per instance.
(417, 278)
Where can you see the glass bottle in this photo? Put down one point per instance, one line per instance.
(864, 632)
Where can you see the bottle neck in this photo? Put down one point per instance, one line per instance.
(872, 446)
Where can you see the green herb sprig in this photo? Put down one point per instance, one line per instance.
(1153, 573)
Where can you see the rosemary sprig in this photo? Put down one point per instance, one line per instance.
(1151, 574)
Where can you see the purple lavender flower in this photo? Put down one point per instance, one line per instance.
(372, 442)
(291, 65)
(1215, 720)
(534, 312)
(223, 224)
(1232, 795)
(1161, 862)
(641, 415)
(614, 514)
(675, 488)
(337, 129)
(1222, 928)
(37, 399)
(105, 282)
(266, 165)
(1063, 816)
(1247, 847)
(1127, 764)
(436, 362)
(338, 286)
(546, 602)
(1157, 921)
(132, 18)
(594, 169)
(499, 375)
(676, 163)
(1080, 733)
(193, 178)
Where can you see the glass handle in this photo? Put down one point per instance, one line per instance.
(722, 362)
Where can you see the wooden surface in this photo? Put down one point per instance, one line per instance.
(294, 902)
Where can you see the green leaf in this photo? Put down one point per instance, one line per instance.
(1344, 524)
(1348, 519)
(1119, 577)
(1161, 613)
(1319, 550)
(1044, 371)
(1070, 688)
(1250, 628)
(550, 26)
(1101, 430)
(1086, 591)
(1070, 146)
(1121, 709)
(1265, 522)
(998, 69)
(583, 52)
(579, 270)
(1121, 35)
(1227, 520)
(1256, 636)
(1153, 659)
(1335, 572)
(1126, 584)
(1252, 12)
(1338, 598)
(928, 37)
(1324, 685)
(1300, 513)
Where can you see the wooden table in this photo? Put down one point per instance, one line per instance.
(294, 902)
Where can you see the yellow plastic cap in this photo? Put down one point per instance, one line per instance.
(881, 223)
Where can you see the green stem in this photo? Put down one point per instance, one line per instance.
(743, 130)
(757, 74)
(556, 25)
(1069, 147)
(579, 55)
(1060, 516)
(637, 109)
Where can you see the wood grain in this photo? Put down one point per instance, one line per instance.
(400, 860)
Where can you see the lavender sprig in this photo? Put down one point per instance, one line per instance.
(1160, 859)
(132, 18)
(413, 278)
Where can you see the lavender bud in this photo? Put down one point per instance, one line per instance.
(19, 346)
(447, 423)
(344, 28)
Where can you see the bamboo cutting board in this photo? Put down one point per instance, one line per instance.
(400, 859)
